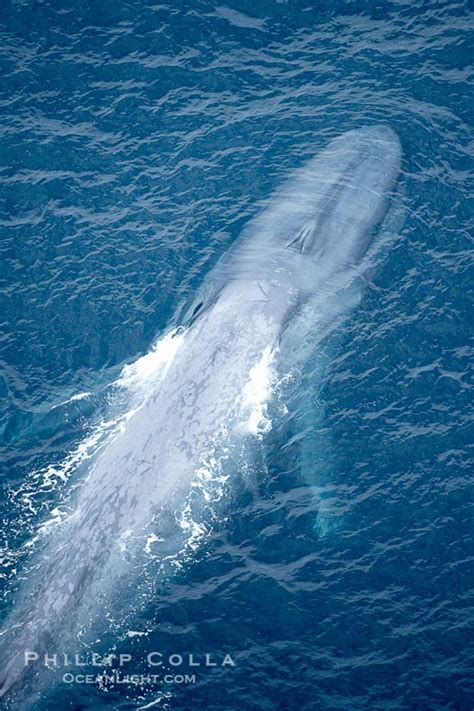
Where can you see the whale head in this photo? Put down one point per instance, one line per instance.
(315, 230)
(322, 221)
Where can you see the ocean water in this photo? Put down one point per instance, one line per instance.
(137, 140)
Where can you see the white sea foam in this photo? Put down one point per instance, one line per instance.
(137, 633)
(153, 366)
(73, 398)
(257, 393)
(127, 394)
(164, 698)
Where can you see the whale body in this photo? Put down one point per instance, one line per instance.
(307, 245)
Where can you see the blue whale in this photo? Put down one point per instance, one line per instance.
(307, 245)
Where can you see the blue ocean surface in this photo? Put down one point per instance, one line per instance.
(137, 139)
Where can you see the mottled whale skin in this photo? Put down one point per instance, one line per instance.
(307, 243)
